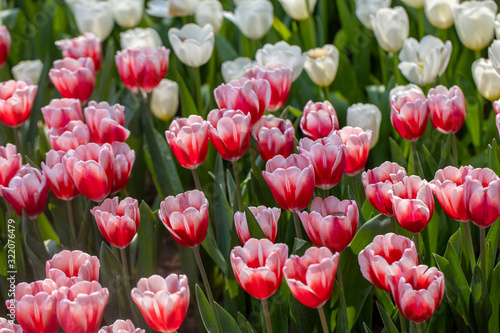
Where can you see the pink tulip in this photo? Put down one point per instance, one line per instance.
(4, 44)
(57, 177)
(16, 101)
(74, 78)
(72, 266)
(258, 266)
(274, 136)
(121, 326)
(318, 120)
(6, 326)
(447, 108)
(409, 112)
(123, 161)
(106, 123)
(267, 218)
(163, 301)
(60, 112)
(280, 80)
(71, 136)
(357, 142)
(10, 163)
(482, 190)
(85, 46)
(496, 107)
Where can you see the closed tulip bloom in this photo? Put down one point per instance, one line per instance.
(418, 292)
(209, 12)
(365, 9)
(283, 54)
(412, 203)
(422, 62)
(274, 136)
(440, 12)
(4, 44)
(140, 37)
(123, 161)
(163, 301)
(186, 217)
(10, 163)
(188, 140)
(71, 136)
(28, 191)
(494, 55)
(447, 108)
(254, 18)
(85, 46)
(327, 157)
(165, 100)
(267, 218)
(57, 177)
(171, 8)
(321, 65)
(481, 193)
(475, 23)
(378, 182)
(280, 79)
(486, 78)
(142, 66)
(60, 112)
(235, 69)
(318, 120)
(28, 69)
(74, 78)
(94, 17)
(121, 326)
(127, 13)
(387, 252)
(72, 265)
(16, 102)
(298, 9)
(192, 44)
(366, 116)
(91, 169)
(331, 223)
(391, 27)
(357, 143)
(409, 111)
(6, 326)
(106, 123)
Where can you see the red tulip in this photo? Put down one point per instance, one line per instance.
(418, 292)
(357, 142)
(16, 101)
(186, 217)
(188, 140)
(142, 66)
(106, 123)
(71, 136)
(318, 120)
(378, 182)
(311, 277)
(4, 44)
(123, 161)
(447, 108)
(331, 222)
(91, 169)
(388, 251)
(280, 80)
(327, 157)
(412, 203)
(118, 221)
(163, 301)
(121, 326)
(74, 78)
(28, 191)
(274, 136)
(60, 112)
(409, 111)
(229, 132)
(258, 266)
(87, 45)
(248, 95)
(10, 163)
(482, 190)
(267, 218)
(57, 176)
(72, 266)
(6, 326)
(291, 181)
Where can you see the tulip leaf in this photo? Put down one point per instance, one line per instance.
(188, 107)
(231, 189)
(473, 103)
(481, 300)
(379, 225)
(112, 275)
(210, 245)
(384, 299)
(227, 322)
(304, 319)
(46, 228)
(223, 216)
(495, 300)
(458, 275)
(493, 236)
(106, 70)
(253, 225)
(146, 262)
(493, 157)
(397, 153)
(284, 32)
(367, 210)
(224, 48)
(386, 319)
(245, 325)
(300, 246)
(205, 311)
(366, 328)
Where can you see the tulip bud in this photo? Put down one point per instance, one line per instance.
(74, 78)
(481, 192)
(298, 9)
(440, 12)
(87, 45)
(140, 37)
(283, 54)
(192, 44)
(28, 69)
(127, 13)
(365, 9)
(321, 65)
(95, 17)
(391, 27)
(409, 111)
(318, 120)
(367, 117)
(248, 12)
(165, 99)
(280, 79)
(475, 23)
(235, 69)
(486, 78)
(447, 108)
(10, 163)
(171, 8)
(16, 102)
(357, 142)
(209, 12)
(274, 136)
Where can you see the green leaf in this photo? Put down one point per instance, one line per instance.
(188, 106)
(397, 153)
(303, 319)
(205, 311)
(112, 275)
(384, 298)
(379, 225)
(223, 216)
(210, 245)
(245, 325)
(146, 262)
(495, 300)
(366, 328)
(227, 322)
(445, 153)
(282, 30)
(388, 323)
(253, 225)
(458, 276)
(300, 246)
(224, 48)
(481, 300)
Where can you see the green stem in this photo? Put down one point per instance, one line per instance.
(383, 65)
(308, 33)
(327, 93)
(238, 185)
(421, 23)
(72, 229)
(123, 255)
(354, 185)
(416, 240)
(18, 142)
(454, 148)
(298, 229)
(196, 179)
(482, 243)
(197, 81)
(402, 319)
(322, 317)
(38, 232)
(397, 73)
(341, 285)
(416, 160)
(326, 193)
(394, 224)
(470, 248)
(267, 316)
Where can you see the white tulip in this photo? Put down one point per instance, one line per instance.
(497, 27)
(414, 3)
(298, 9)
(235, 69)
(209, 12)
(494, 54)
(365, 9)
(94, 17)
(128, 13)
(321, 65)
(253, 17)
(421, 63)
(140, 37)
(192, 44)
(440, 12)
(475, 23)
(284, 54)
(486, 78)
(28, 69)
(171, 8)
(366, 116)
(391, 27)
(165, 99)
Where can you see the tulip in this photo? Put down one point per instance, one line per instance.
(414, 3)
(258, 266)
(235, 69)
(318, 120)
(4, 44)
(127, 13)
(121, 326)
(229, 133)
(409, 111)
(412, 203)
(391, 27)
(274, 136)
(283, 54)
(331, 223)
(366, 116)
(10, 163)
(494, 55)
(280, 79)
(84, 46)
(74, 266)
(486, 78)
(28, 69)
(140, 37)
(123, 161)
(192, 44)
(475, 23)
(421, 63)
(57, 177)
(106, 123)
(328, 159)
(171, 8)
(186, 217)
(298, 9)
(80, 307)
(254, 18)
(142, 66)
(165, 100)
(497, 121)
(248, 95)
(378, 182)
(91, 169)
(321, 64)
(481, 190)
(447, 108)
(16, 102)
(387, 253)
(188, 140)
(71, 136)
(60, 112)
(163, 301)
(28, 191)
(440, 12)
(267, 218)
(7, 326)
(357, 143)
(209, 12)
(95, 17)
(74, 78)
(418, 292)
(497, 26)
(365, 9)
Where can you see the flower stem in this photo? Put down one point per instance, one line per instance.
(72, 229)
(482, 243)
(454, 148)
(327, 93)
(341, 285)
(238, 185)
(197, 81)
(326, 193)
(267, 316)
(38, 232)
(470, 248)
(123, 255)
(308, 32)
(394, 224)
(322, 317)
(397, 73)
(420, 23)
(416, 240)
(18, 141)
(383, 65)
(297, 225)
(402, 319)
(196, 179)
(420, 327)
